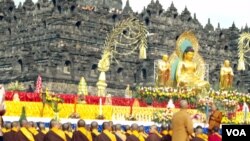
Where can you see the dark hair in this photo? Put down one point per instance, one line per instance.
(188, 49)
(199, 127)
(164, 127)
(105, 125)
(216, 129)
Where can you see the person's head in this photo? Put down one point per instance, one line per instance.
(60, 125)
(113, 128)
(55, 124)
(164, 127)
(184, 104)
(94, 125)
(188, 53)
(106, 126)
(88, 127)
(118, 127)
(216, 129)
(134, 127)
(227, 63)
(35, 125)
(127, 127)
(141, 128)
(70, 126)
(8, 125)
(81, 123)
(165, 57)
(153, 129)
(65, 127)
(24, 123)
(15, 124)
(213, 107)
(41, 126)
(198, 130)
(111, 122)
(30, 124)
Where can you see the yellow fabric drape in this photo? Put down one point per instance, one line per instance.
(14, 129)
(110, 111)
(203, 136)
(110, 135)
(60, 133)
(85, 132)
(158, 134)
(136, 133)
(4, 130)
(33, 131)
(70, 134)
(44, 131)
(95, 131)
(27, 134)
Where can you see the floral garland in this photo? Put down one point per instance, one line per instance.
(227, 101)
(231, 95)
(203, 103)
(163, 116)
(165, 93)
(192, 95)
(16, 86)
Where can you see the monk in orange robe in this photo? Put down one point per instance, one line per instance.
(12, 134)
(24, 134)
(81, 134)
(55, 133)
(106, 134)
(215, 118)
(94, 130)
(154, 135)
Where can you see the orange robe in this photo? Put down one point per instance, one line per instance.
(215, 120)
(182, 126)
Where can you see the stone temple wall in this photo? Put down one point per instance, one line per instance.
(63, 40)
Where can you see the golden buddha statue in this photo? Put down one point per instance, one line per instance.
(187, 67)
(226, 75)
(186, 73)
(163, 71)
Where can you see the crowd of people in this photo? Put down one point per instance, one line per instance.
(182, 125)
(32, 131)
(181, 129)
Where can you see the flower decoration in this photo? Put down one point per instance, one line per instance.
(53, 100)
(130, 118)
(231, 95)
(74, 115)
(16, 86)
(100, 117)
(165, 93)
(163, 116)
(230, 105)
(203, 103)
(199, 117)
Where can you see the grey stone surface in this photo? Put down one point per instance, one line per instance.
(61, 41)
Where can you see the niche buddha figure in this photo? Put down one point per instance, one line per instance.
(186, 75)
(163, 71)
(226, 75)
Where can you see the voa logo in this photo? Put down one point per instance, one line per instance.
(236, 132)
